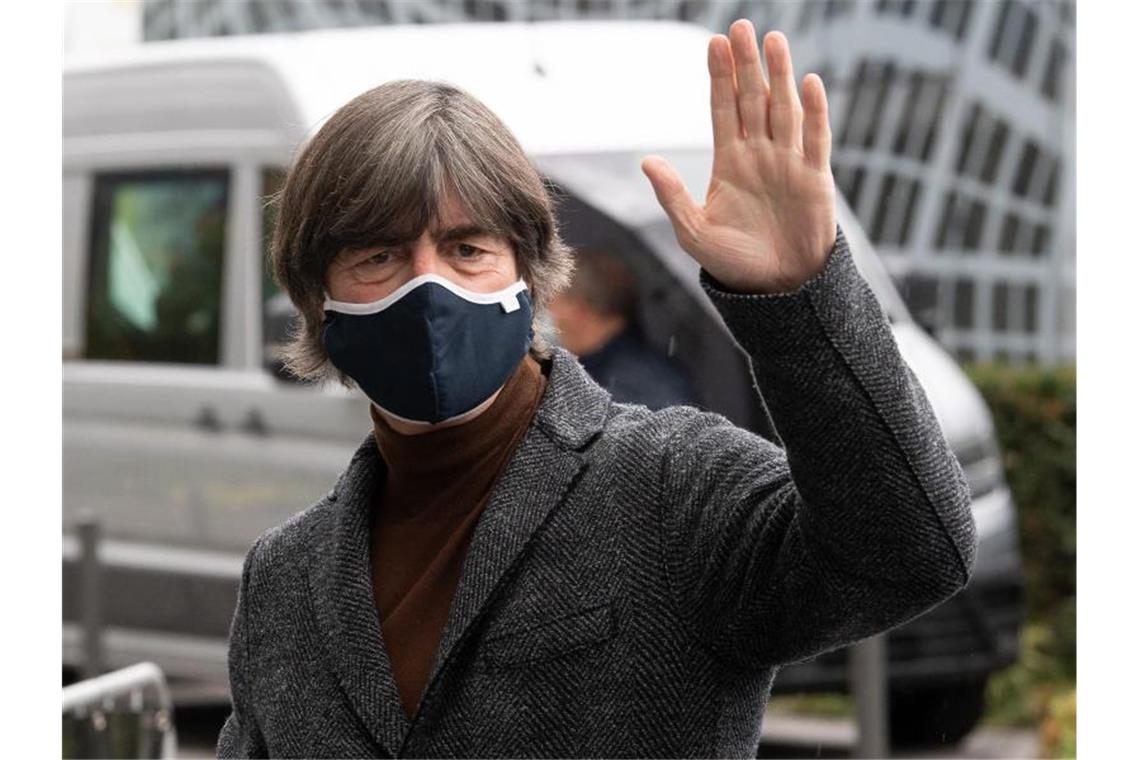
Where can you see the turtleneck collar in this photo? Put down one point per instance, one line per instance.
(469, 453)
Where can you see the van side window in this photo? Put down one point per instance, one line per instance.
(279, 316)
(155, 277)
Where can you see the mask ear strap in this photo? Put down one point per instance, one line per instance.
(510, 301)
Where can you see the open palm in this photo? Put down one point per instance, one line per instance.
(768, 223)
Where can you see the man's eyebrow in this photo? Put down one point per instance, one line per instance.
(461, 231)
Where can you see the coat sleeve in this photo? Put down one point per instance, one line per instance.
(861, 523)
(240, 735)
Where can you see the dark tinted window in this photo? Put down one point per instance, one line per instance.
(999, 314)
(1025, 168)
(994, 151)
(279, 316)
(1010, 227)
(1041, 239)
(1051, 83)
(964, 303)
(155, 277)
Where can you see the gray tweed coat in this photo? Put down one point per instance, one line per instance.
(637, 577)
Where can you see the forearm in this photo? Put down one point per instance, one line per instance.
(882, 493)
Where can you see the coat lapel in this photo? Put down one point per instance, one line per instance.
(341, 590)
(539, 475)
(537, 479)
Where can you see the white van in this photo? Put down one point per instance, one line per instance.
(185, 439)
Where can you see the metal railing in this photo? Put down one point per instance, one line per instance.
(126, 713)
(111, 715)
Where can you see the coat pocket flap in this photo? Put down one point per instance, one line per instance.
(553, 638)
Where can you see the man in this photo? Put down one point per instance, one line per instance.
(596, 318)
(514, 565)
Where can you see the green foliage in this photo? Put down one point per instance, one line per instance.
(1020, 694)
(1035, 414)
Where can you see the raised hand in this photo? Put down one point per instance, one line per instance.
(768, 222)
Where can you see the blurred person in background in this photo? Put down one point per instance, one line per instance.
(514, 564)
(596, 317)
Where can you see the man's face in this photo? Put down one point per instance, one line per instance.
(460, 251)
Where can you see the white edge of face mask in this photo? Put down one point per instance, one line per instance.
(506, 296)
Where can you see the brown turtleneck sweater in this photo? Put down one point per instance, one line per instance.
(436, 487)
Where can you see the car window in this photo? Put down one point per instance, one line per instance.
(279, 316)
(155, 276)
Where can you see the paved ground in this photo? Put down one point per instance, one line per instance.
(784, 737)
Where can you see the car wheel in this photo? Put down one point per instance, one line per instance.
(933, 716)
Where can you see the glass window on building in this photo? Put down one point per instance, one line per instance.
(975, 225)
(999, 135)
(952, 16)
(1067, 10)
(908, 215)
(969, 128)
(1024, 50)
(155, 277)
(1026, 166)
(1029, 325)
(957, 217)
(1041, 236)
(850, 182)
(891, 224)
(1052, 82)
(807, 16)
(886, 196)
(885, 80)
(909, 124)
(999, 315)
(945, 224)
(835, 8)
(921, 295)
(941, 89)
(855, 103)
(873, 82)
(916, 131)
(1000, 30)
(963, 303)
(896, 7)
(1010, 225)
(1013, 37)
(1049, 196)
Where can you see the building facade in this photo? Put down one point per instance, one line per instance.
(954, 127)
(953, 124)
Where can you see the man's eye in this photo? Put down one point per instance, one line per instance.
(468, 251)
(377, 259)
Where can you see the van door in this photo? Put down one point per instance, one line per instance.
(182, 457)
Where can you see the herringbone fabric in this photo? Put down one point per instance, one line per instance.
(637, 577)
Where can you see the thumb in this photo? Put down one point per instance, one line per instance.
(682, 210)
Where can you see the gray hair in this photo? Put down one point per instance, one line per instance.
(377, 172)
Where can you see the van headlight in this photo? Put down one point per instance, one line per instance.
(981, 462)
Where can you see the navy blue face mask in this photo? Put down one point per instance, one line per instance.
(431, 350)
